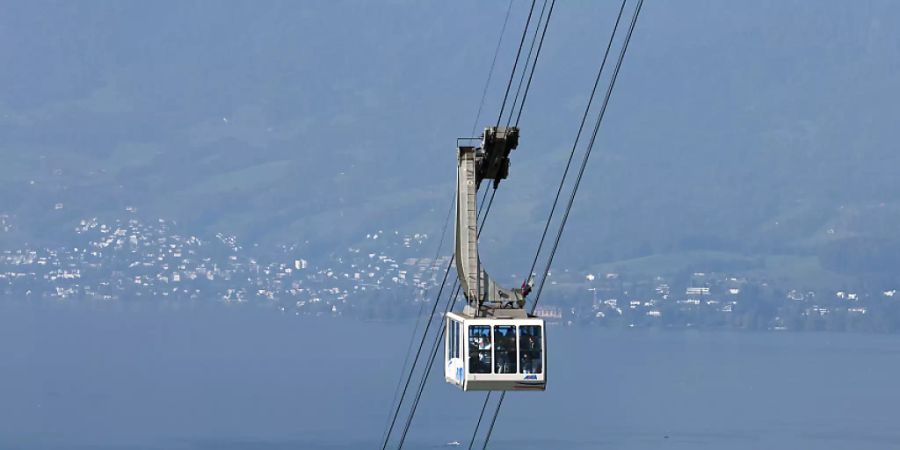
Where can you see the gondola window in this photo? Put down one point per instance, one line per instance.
(480, 349)
(505, 349)
(530, 352)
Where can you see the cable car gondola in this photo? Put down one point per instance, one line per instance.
(493, 344)
(495, 354)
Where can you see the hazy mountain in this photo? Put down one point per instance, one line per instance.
(755, 136)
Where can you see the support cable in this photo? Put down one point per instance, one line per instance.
(412, 368)
(584, 117)
(480, 416)
(512, 73)
(590, 148)
(419, 315)
(487, 83)
(537, 29)
(518, 117)
(416, 359)
(568, 164)
(571, 201)
(537, 55)
(451, 302)
(454, 289)
(493, 420)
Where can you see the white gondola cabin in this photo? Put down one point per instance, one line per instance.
(493, 344)
(495, 354)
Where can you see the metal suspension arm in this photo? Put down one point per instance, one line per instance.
(491, 161)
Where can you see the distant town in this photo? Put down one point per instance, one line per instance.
(391, 275)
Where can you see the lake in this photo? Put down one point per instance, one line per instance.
(127, 376)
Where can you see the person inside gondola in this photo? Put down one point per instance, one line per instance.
(530, 351)
(479, 350)
(527, 361)
(505, 349)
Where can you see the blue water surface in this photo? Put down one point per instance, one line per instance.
(133, 376)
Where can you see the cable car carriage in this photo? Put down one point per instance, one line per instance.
(495, 354)
(493, 344)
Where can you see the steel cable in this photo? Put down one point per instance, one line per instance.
(512, 73)
(387, 435)
(419, 315)
(451, 302)
(566, 171)
(533, 66)
(527, 64)
(578, 179)
(487, 83)
(584, 117)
